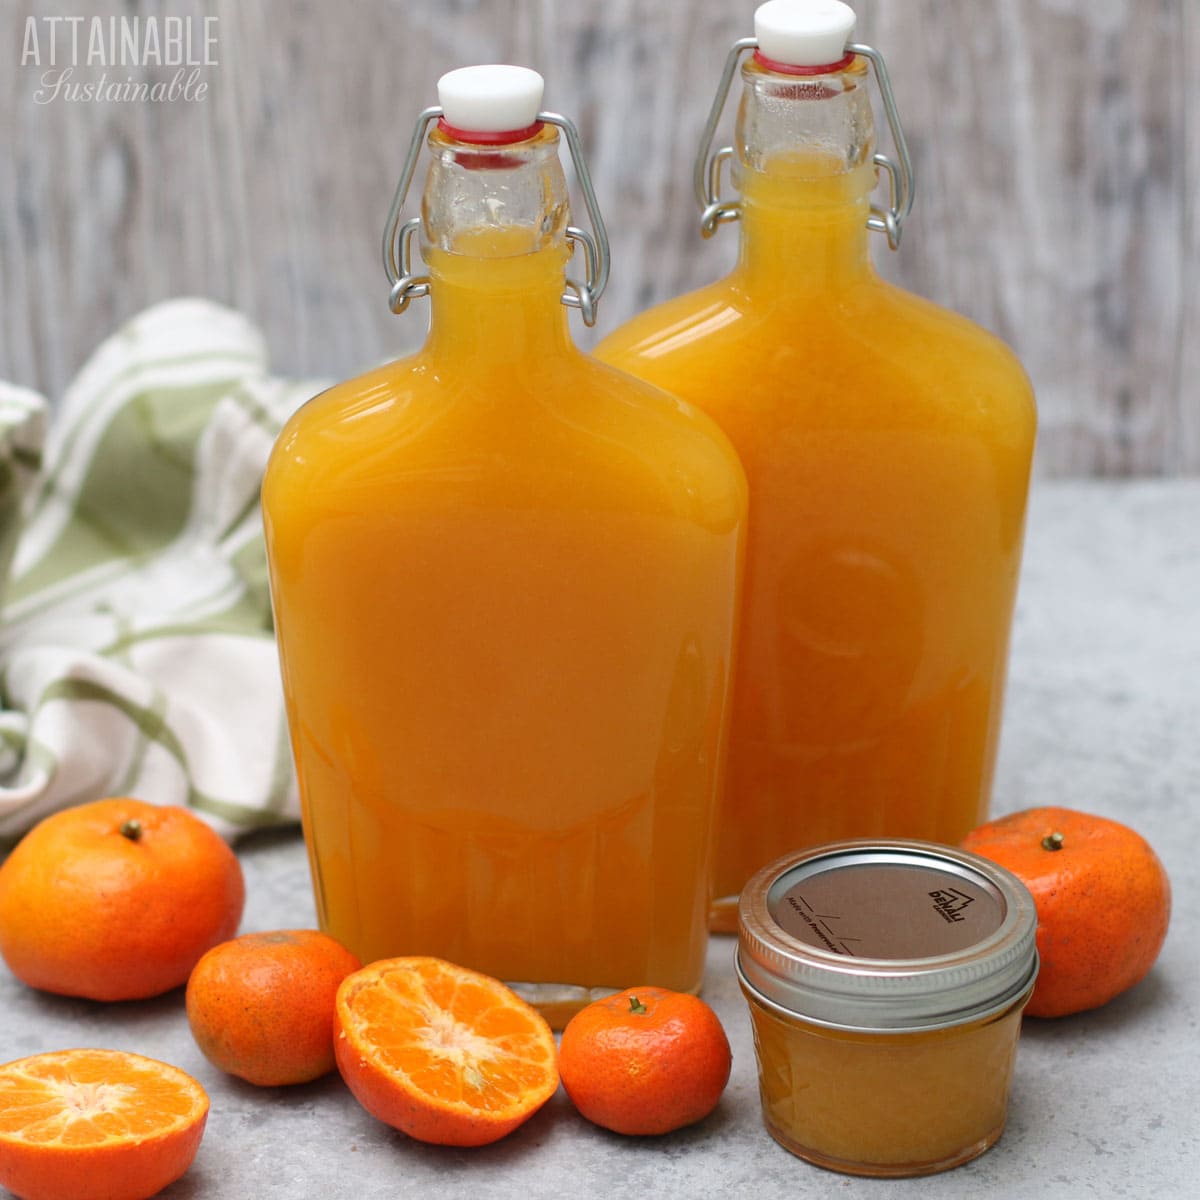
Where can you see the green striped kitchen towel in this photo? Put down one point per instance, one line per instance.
(136, 649)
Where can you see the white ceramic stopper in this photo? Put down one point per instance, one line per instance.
(804, 33)
(490, 99)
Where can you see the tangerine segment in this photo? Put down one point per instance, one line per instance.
(441, 1052)
(96, 1125)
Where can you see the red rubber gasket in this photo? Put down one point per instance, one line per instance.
(474, 137)
(769, 64)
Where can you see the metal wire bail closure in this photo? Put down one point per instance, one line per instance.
(398, 236)
(706, 175)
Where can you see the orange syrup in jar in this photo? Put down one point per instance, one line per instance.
(886, 982)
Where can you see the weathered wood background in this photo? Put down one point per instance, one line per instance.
(1057, 145)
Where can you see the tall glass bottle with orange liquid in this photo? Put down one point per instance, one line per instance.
(887, 443)
(505, 584)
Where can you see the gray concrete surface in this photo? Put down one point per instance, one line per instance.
(1103, 715)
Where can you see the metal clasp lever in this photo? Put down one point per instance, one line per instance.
(398, 236)
(706, 176)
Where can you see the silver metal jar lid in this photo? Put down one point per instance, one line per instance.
(887, 935)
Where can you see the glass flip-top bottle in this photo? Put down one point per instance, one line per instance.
(505, 584)
(887, 443)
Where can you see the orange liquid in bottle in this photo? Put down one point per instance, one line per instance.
(887, 443)
(505, 589)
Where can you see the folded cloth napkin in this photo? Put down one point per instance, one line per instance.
(136, 647)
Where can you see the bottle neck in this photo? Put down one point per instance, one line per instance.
(488, 310)
(493, 234)
(805, 168)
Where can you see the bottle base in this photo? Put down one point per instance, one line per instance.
(559, 1002)
(723, 915)
(886, 1170)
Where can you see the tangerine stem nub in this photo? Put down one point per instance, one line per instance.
(131, 829)
(1052, 841)
(635, 1005)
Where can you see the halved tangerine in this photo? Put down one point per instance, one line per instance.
(440, 1052)
(96, 1125)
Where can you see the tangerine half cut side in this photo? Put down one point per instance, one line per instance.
(96, 1125)
(440, 1052)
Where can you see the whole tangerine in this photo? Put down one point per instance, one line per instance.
(1103, 902)
(261, 1006)
(645, 1060)
(116, 899)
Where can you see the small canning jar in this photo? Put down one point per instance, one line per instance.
(886, 981)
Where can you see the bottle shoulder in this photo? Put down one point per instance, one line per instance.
(724, 344)
(350, 400)
(707, 321)
(905, 317)
(342, 415)
(554, 433)
(677, 441)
